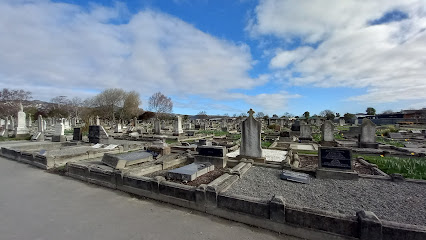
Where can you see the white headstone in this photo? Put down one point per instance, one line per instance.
(59, 129)
(21, 126)
(327, 130)
(368, 131)
(178, 125)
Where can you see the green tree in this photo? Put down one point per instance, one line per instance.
(371, 111)
(306, 114)
(349, 116)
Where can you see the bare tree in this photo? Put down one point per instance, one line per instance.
(160, 104)
(10, 99)
(260, 115)
(76, 104)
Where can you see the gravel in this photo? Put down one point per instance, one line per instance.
(400, 202)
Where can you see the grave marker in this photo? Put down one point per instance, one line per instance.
(339, 158)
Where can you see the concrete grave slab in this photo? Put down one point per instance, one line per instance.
(190, 172)
(123, 160)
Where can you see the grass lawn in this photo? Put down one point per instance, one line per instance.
(266, 144)
(309, 152)
(409, 167)
(390, 142)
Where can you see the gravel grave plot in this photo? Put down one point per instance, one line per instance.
(400, 202)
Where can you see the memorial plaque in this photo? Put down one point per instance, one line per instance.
(77, 135)
(338, 158)
(295, 176)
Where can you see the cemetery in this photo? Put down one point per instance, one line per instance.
(311, 178)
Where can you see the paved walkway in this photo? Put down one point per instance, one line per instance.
(36, 205)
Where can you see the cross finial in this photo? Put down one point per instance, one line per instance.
(251, 112)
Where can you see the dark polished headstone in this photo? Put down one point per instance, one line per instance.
(337, 158)
(214, 151)
(97, 134)
(77, 135)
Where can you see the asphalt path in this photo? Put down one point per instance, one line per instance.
(37, 205)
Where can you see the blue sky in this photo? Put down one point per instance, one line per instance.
(274, 56)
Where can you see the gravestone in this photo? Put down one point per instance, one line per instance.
(178, 125)
(157, 128)
(77, 135)
(215, 155)
(295, 126)
(135, 122)
(21, 125)
(98, 122)
(12, 123)
(327, 130)
(29, 120)
(339, 158)
(118, 128)
(59, 136)
(97, 134)
(251, 139)
(305, 132)
(341, 121)
(335, 163)
(367, 138)
(190, 172)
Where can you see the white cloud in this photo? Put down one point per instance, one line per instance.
(68, 49)
(270, 103)
(284, 58)
(388, 59)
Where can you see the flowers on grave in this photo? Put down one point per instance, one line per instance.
(412, 153)
(381, 155)
(406, 140)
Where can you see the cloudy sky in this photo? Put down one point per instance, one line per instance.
(221, 56)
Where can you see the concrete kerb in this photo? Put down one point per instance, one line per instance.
(272, 214)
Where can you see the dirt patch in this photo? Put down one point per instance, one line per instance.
(308, 161)
(207, 178)
(361, 169)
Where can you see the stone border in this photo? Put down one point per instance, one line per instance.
(45, 162)
(273, 214)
